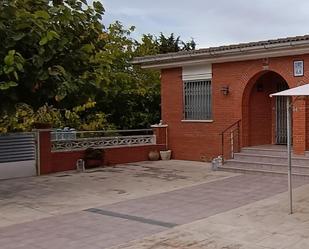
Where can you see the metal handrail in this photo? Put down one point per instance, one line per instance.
(230, 126)
(232, 132)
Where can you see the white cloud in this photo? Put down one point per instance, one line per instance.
(213, 23)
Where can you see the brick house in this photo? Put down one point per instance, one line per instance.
(216, 100)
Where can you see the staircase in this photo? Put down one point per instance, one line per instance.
(268, 159)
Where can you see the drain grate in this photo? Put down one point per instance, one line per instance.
(131, 217)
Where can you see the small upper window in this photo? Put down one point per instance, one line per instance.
(197, 100)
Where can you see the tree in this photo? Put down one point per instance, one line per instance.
(51, 51)
(58, 53)
(173, 44)
(132, 95)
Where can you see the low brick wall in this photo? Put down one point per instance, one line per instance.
(63, 161)
(58, 161)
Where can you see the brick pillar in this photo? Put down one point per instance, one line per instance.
(45, 157)
(307, 124)
(273, 120)
(160, 131)
(299, 127)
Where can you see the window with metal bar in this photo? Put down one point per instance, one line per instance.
(197, 100)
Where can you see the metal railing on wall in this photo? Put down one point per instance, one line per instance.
(230, 140)
(80, 140)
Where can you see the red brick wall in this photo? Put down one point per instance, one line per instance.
(191, 141)
(260, 118)
(262, 109)
(63, 161)
(199, 141)
(160, 133)
(307, 126)
(44, 150)
(51, 162)
(299, 126)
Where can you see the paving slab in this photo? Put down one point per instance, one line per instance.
(264, 224)
(161, 215)
(204, 200)
(33, 198)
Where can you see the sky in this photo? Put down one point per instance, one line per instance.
(212, 22)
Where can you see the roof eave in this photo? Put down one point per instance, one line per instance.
(239, 54)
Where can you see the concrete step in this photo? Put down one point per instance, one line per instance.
(264, 151)
(266, 160)
(250, 157)
(275, 151)
(261, 172)
(264, 166)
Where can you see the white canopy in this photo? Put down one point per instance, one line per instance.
(296, 91)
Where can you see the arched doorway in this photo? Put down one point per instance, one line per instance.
(264, 118)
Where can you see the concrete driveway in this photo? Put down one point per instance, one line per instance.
(173, 204)
(263, 224)
(27, 199)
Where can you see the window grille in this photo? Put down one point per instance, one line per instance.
(197, 100)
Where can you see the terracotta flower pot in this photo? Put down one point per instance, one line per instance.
(153, 155)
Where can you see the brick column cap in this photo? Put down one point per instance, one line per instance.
(159, 126)
(39, 130)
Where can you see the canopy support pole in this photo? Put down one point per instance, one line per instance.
(289, 145)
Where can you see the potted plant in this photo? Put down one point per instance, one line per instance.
(46, 116)
(165, 154)
(94, 157)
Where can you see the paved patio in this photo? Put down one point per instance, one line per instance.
(28, 199)
(172, 204)
(264, 224)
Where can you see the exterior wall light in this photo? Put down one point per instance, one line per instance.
(225, 90)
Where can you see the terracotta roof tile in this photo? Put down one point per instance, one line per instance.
(227, 48)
